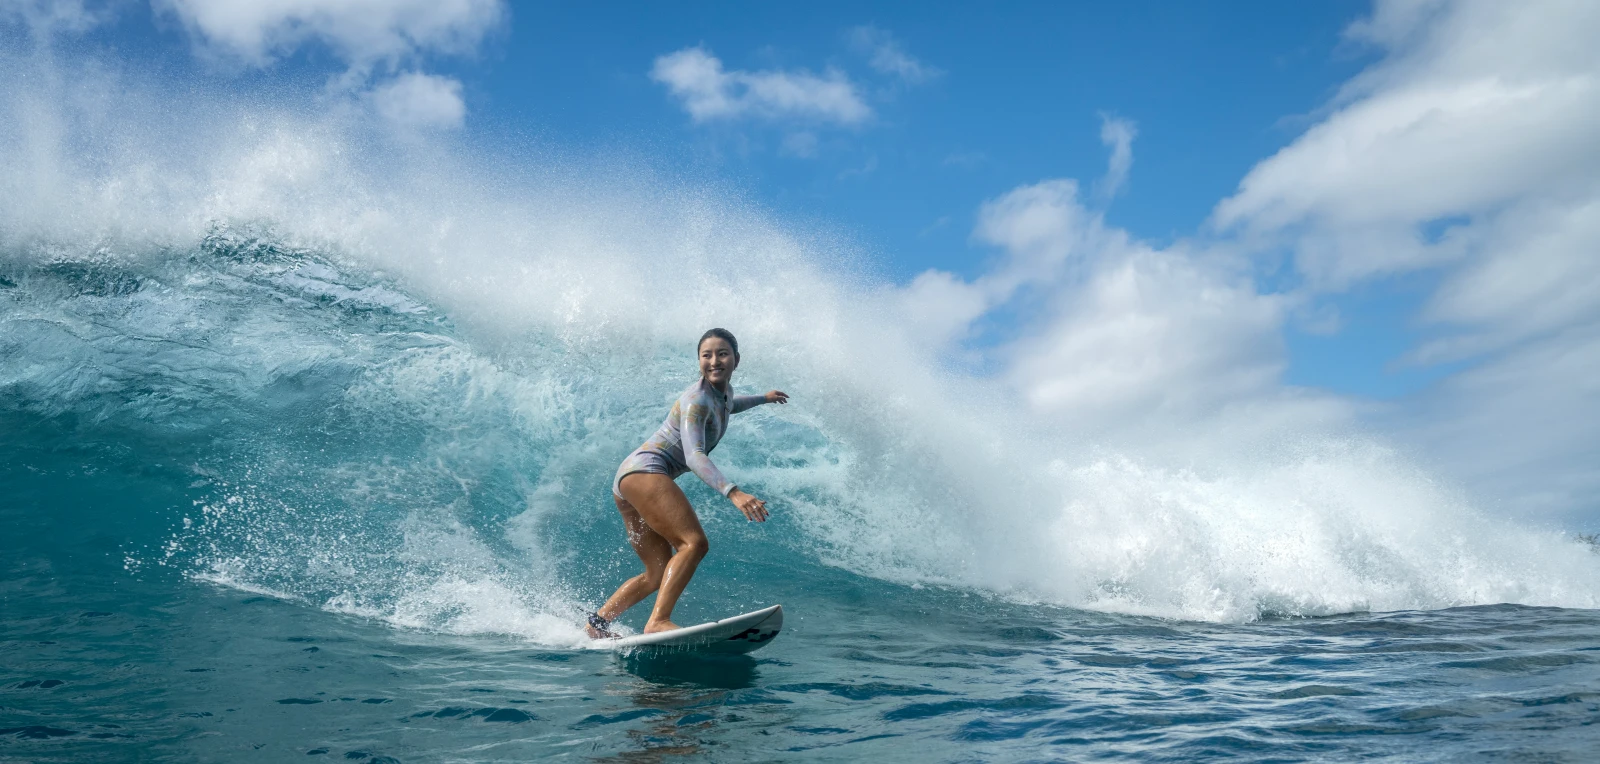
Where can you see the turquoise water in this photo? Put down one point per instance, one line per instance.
(261, 501)
(171, 670)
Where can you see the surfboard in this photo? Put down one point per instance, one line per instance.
(739, 634)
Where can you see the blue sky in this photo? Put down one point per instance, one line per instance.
(1126, 212)
(1212, 87)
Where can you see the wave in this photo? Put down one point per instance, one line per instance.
(399, 377)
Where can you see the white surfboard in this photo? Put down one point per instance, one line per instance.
(739, 634)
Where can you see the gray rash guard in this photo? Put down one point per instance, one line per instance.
(683, 443)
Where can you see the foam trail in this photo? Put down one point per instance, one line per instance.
(403, 374)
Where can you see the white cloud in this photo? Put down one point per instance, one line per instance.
(361, 32)
(1117, 134)
(709, 93)
(886, 56)
(1151, 334)
(1467, 150)
(1524, 430)
(1116, 334)
(1470, 151)
(420, 101)
(1487, 105)
(1125, 331)
(938, 308)
(1537, 271)
(371, 37)
(1040, 227)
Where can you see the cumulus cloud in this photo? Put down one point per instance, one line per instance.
(1125, 331)
(886, 56)
(374, 38)
(1468, 151)
(1117, 334)
(1044, 234)
(709, 92)
(417, 100)
(362, 32)
(938, 307)
(1040, 227)
(1152, 333)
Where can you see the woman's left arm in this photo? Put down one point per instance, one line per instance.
(745, 402)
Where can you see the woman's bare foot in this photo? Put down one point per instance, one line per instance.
(655, 626)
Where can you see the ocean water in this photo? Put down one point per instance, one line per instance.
(308, 437)
(259, 507)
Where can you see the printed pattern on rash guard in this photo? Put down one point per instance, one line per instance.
(683, 443)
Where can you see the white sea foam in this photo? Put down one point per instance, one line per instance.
(574, 285)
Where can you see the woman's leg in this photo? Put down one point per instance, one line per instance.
(664, 508)
(653, 551)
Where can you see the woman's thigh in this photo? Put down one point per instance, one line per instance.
(653, 550)
(662, 505)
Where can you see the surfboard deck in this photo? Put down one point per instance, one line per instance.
(730, 636)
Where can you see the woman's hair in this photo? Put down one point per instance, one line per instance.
(722, 333)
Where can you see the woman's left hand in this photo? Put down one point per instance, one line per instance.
(777, 396)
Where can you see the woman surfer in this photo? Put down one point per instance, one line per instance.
(662, 527)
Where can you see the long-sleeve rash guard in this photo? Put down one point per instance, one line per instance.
(683, 443)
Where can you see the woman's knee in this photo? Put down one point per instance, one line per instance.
(694, 545)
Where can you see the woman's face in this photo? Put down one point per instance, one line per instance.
(717, 361)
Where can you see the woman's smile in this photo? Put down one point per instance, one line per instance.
(717, 361)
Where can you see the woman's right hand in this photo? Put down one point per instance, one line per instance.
(752, 507)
